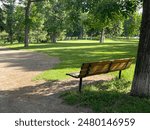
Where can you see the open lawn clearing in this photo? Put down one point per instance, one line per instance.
(73, 53)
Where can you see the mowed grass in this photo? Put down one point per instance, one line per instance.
(73, 53)
(111, 96)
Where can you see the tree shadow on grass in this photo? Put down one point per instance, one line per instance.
(72, 55)
(48, 98)
(103, 99)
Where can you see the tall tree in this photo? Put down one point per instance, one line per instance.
(28, 20)
(54, 16)
(1, 20)
(37, 32)
(132, 25)
(141, 81)
(77, 11)
(27, 23)
(19, 24)
(9, 7)
(106, 12)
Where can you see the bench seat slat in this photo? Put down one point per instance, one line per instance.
(118, 66)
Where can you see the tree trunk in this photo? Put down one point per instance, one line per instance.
(10, 38)
(19, 39)
(9, 21)
(141, 81)
(27, 24)
(91, 37)
(102, 36)
(53, 38)
(81, 33)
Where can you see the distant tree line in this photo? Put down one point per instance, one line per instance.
(29, 21)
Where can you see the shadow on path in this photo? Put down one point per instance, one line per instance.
(25, 60)
(43, 98)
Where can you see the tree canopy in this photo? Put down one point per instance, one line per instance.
(40, 20)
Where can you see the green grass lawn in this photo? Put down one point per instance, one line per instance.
(112, 96)
(73, 53)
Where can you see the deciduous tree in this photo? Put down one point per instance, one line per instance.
(1, 20)
(54, 17)
(141, 81)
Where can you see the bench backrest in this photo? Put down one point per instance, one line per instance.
(94, 68)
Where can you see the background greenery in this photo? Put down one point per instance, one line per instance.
(52, 20)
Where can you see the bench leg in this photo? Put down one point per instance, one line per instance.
(120, 74)
(80, 85)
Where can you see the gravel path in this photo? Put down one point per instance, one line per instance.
(19, 94)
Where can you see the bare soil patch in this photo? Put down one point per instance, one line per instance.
(17, 67)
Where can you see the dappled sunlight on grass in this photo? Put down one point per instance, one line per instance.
(75, 52)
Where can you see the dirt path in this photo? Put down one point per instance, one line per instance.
(18, 93)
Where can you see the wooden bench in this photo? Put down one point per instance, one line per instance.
(102, 67)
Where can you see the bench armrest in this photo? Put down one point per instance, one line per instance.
(75, 74)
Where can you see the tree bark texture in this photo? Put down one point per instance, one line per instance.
(102, 36)
(27, 24)
(141, 81)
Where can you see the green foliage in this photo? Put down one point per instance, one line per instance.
(77, 18)
(19, 24)
(9, 7)
(111, 96)
(73, 24)
(116, 85)
(114, 30)
(38, 36)
(37, 32)
(105, 13)
(3, 36)
(2, 26)
(54, 19)
(132, 25)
